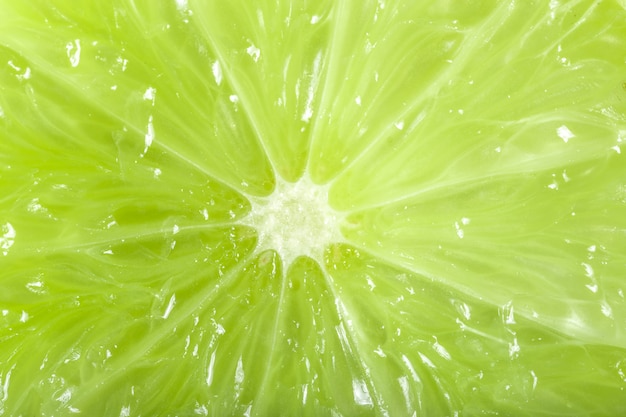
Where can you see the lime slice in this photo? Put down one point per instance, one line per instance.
(340, 208)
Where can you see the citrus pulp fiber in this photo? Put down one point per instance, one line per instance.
(389, 208)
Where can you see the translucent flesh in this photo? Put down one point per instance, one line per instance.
(475, 150)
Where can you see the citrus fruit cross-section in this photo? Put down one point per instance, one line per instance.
(316, 208)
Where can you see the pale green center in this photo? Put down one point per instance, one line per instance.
(295, 220)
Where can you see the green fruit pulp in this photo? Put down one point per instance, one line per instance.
(471, 157)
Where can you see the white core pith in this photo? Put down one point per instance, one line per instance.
(295, 220)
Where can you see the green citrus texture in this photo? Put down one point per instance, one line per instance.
(315, 208)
